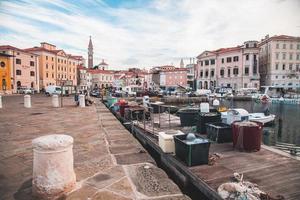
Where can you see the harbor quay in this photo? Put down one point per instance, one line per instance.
(109, 163)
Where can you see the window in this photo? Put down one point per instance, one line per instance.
(52, 67)
(31, 63)
(52, 58)
(2, 64)
(290, 66)
(276, 66)
(206, 62)
(277, 46)
(228, 72)
(206, 73)
(291, 46)
(277, 56)
(236, 71)
(18, 61)
(245, 85)
(212, 73)
(276, 77)
(298, 57)
(201, 63)
(298, 46)
(246, 70)
(255, 45)
(284, 46)
(297, 67)
(283, 77)
(222, 60)
(212, 61)
(291, 56)
(235, 58)
(247, 45)
(222, 72)
(201, 74)
(58, 67)
(247, 57)
(46, 66)
(58, 60)
(31, 73)
(283, 66)
(18, 72)
(46, 57)
(58, 75)
(283, 56)
(228, 59)
(18, 53)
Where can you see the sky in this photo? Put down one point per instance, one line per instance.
(144, 33)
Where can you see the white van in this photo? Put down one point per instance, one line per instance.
(53, 89)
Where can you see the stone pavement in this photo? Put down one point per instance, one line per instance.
(109, 163)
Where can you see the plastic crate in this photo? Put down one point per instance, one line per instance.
(188, 116)
(204, 118)
(219, 132)
(191, 154)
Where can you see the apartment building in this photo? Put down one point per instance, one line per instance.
(24, 71)
(169, 77)
(280, 61)
(56, 66)
(235, 67)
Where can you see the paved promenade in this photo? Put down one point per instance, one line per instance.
(109, 163)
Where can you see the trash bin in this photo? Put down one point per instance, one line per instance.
(191, 153)
(219, 132)
(188, 116)
(203, 118)
(247, 135)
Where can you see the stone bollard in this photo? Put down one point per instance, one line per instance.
(27, 101)
(0, 101)
(55, 102)
(53, 170)
(82, 100)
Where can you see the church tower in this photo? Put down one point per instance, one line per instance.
(181, 63)
(90, 54)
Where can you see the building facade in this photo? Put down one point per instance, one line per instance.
(5, 71)
(235, 67)
(102, 78)
(24, 68)
(56, 66)
(84, 78)
(280, 61)
(191, 75)
(167, 77)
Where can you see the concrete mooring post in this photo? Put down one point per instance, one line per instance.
(0, 101)
(55, 102)
(82, 100)
(27, 101)
(53, 170)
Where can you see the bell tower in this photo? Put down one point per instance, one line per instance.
(90, 54)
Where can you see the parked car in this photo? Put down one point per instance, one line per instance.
(25, 90)
(95, 93)
(52, 89)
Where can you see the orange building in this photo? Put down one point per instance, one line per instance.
(56, 66)
(5, 83)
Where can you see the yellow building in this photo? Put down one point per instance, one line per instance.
(56, 66)
(5, 82)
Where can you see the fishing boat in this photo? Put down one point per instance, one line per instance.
(239, 114)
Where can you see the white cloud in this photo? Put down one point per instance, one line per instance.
(159, 33)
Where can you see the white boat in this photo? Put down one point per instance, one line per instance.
(280, 94)
(239, 114)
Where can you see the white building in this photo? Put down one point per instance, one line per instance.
(280, 61)
(84, 78)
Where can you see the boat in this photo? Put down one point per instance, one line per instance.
(279, 94)
(239, 114)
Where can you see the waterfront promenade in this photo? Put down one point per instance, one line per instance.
(109, 163)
